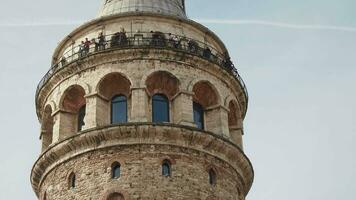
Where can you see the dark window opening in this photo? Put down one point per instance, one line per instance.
(118, 109)
(81, 116)
(198, 115)
(166, 168)
(160, 108)
(116, 171)
(72, 181)
(212, 177)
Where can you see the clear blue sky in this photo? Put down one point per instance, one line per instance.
(300, 127)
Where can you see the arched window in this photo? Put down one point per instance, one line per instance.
(115, 196)
(71, 181)
(81, 116)
(198, 115)
(212, 177)
(160, 108)
(118, 109)
(44, 196)
(115, 170)
(166, 168)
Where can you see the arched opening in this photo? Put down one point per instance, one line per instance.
(115, 196)
(235, 123)
(72, 181)
(233, 114)
(47, 128)
(118, 109)
(166, 168)
(81, 116)
(162, 82)
(160, 108)
(115, 170)
(114, 89)
(198, 115)
(73, 113)
(212, 177)
(44, 196)
(205, 94)
(162, 87)
(205, 97)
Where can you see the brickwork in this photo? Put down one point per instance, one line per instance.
(141, 176)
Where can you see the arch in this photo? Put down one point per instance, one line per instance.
(233, 115)
(115, 170)
(114, 188)
(162, 82)
(73, 107)
(160, 108)
(114, 84)
(205, 94)
(44, 197)
(47, 127)
(166, 168)
(115, 196)
(73, 98)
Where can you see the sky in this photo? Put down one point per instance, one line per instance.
(298, 59)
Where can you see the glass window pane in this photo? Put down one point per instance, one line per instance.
(160, 108)
(119, 110)
(166, 169)
(198, 115)
(116, 171)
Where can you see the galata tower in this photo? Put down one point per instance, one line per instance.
(141, 103)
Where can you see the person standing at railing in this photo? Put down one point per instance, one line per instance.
(101, 42)
(192, 46)
(87, 44)
(207, 53)
(82, 49)
(227, 61)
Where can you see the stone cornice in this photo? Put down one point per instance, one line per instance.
(141, 134)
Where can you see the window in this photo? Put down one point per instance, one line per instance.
(212, 177)
(44, 196)
(160, 108)
(198, 115)
(166, 168)
(115, 196)
(115, 170)
(71, 181)
(81, 116)
(118, 109)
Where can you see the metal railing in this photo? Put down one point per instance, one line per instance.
(156, 40)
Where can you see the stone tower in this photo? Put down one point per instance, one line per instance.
(141, 103)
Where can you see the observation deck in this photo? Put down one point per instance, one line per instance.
(144, 40)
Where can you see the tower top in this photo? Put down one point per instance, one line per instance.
(167, 7)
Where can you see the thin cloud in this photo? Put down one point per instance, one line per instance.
(36, 24)
(208, 21)
(279, 24)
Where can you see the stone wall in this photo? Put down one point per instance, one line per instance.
(141, 176)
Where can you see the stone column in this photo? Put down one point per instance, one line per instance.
(65, 125)
(97, 111)
(139, 105)
(216, 120)
(183, 108)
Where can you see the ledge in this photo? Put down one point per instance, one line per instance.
(141, 134)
